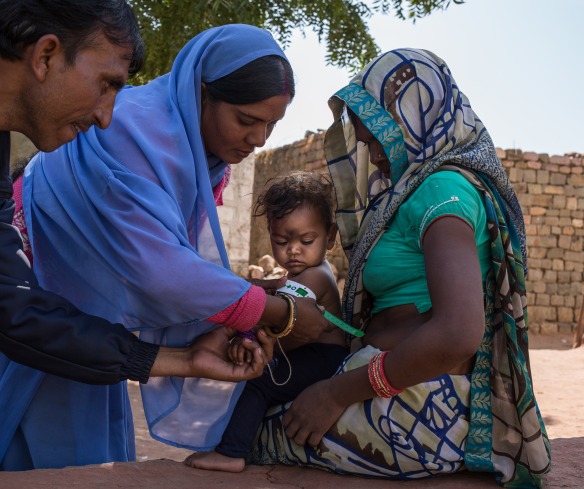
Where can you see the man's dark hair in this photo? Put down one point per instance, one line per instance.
(297, 189)
(260, 79)
(74, 22)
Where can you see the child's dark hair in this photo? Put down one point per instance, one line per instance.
(296, 189)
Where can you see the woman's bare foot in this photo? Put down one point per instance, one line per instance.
(215, 461)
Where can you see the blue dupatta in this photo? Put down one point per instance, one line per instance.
(123, 223)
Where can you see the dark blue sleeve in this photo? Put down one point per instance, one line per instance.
(44, 331)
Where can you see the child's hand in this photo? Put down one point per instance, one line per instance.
(270, 285)
(237, 353)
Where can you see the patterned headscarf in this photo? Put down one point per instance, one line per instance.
(409, 101)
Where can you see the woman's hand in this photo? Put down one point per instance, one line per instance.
(320, 406)
(312, 414)
(310, 322)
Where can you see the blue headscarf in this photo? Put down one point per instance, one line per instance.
(123, 223)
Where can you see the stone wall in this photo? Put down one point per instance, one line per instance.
(551, 193)
(235, 215)
(20, 149)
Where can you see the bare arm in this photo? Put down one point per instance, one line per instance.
(310, 323)
(451, 336)
(456, 328)
(322, 282)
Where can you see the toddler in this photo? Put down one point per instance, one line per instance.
(300, 215)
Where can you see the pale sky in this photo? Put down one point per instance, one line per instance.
(520, 63)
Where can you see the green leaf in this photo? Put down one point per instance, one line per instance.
(167, 25)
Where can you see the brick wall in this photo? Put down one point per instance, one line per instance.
(235, 215)
(20, 148)
(551, 193)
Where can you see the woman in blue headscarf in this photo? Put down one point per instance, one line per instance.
(436, 245)
(124, 224)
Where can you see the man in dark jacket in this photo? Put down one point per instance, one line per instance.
(62, 63)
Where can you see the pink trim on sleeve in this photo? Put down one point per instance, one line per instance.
(18, 220)
(221, 186)
(245, 313)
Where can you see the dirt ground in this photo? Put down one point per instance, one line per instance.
(558, 376)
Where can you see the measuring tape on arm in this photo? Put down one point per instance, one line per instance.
(299, 290)
(331, 318)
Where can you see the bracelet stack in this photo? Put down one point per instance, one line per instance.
(292, 311)
(378, 379)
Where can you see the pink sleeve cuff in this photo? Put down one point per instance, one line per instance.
(18, 218)
(220, 187)
(245, 313)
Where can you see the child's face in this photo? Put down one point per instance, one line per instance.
(299, 240)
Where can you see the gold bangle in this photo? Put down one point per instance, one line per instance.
(292, 312)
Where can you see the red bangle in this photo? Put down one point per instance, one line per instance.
(378, 379)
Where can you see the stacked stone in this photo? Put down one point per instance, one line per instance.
(551, 194)
(235, 214)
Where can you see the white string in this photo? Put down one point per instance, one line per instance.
(289, 367)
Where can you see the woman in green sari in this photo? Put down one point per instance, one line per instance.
(436, 244)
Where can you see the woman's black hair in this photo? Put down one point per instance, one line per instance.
(260, 79)
(296, 189)
(74, 22)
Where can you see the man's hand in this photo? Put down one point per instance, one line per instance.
(207, 357)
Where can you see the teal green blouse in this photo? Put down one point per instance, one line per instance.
(395, 272)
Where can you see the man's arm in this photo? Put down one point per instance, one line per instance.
(44, 331)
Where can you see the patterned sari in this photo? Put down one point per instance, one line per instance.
(409, 101)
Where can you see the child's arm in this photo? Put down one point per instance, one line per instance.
(322, 282)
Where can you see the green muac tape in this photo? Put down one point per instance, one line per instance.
(342, 324)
